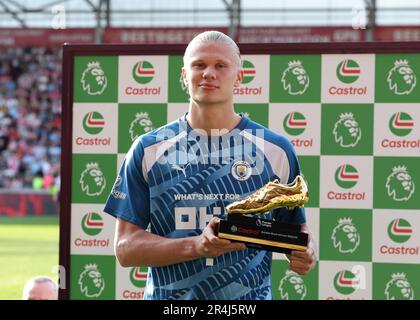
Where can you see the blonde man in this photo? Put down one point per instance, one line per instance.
(178, 179)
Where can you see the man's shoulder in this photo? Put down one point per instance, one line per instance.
(268, 135)
(165, 132)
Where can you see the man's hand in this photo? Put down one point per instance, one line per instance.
(209, 246)
(302, 262)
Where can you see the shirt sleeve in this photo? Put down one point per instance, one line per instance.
(129, 199)
(297, 215)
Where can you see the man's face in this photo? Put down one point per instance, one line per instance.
(211, 71)
(42, 291)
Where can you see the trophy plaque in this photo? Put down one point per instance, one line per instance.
(245, 224)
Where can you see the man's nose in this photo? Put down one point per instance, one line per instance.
(209, 73)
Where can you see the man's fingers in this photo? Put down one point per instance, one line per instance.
(214, 222)
(240, 245)
(219, 241)
(299, 267)
(223, 248)
(213, 245)
(226, 244)
(302, 258)
(300, 271)
(297, 264)
(307, 255)
(209, 231)
(300, 254)
(211, 236)
(236, 246)
(233, 247)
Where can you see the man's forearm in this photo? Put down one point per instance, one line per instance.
(143, 248)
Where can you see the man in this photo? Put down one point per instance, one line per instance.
(40, 288)
(178, 177)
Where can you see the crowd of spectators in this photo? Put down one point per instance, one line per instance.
(30, 122)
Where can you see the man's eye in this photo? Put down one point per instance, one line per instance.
(221, 65)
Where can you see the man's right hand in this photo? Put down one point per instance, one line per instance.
(208, 245)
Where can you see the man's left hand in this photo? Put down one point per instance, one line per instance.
(302, 262)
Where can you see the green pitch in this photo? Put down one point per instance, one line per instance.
(28, 247)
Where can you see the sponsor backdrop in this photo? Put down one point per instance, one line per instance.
(354, 120)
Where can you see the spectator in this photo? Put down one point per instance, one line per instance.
(40, 288)
(37, 181)
(30, 122)
(48, 181)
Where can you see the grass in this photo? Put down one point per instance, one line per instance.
(28, 247)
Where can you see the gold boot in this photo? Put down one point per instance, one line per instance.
(273, 195)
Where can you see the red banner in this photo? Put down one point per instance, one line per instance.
(22, 204)
(154, 35)
(299, 34)
(397, 34)
(37, 37)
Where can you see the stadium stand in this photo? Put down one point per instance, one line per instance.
(30, 123)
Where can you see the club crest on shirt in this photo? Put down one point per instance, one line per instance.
(241, 170)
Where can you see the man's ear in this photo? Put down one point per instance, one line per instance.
(239, 77)
(184, 76)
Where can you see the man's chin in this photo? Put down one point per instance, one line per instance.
(208, 101)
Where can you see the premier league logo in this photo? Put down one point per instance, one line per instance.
(398, 288)
(91, 281)
(345, 236)
(347, 132)
(295, 79)
(292, 286)
(401, 78)
(94, 80)
(92, 180)
(140, 125)
(399, 184)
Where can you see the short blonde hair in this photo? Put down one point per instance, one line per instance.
(213, 36)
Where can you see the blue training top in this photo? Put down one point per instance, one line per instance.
(175, 179)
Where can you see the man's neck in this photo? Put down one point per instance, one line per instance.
(212, 117)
